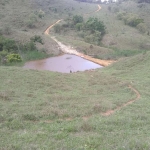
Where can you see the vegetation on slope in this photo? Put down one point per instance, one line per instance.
(46, 110)
(92, 31)
(118, 35)
(13, 52)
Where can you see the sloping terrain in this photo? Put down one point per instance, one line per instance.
(100, 109)
(35, 16)
(45, 110)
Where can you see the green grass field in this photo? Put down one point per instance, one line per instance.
(43, 110)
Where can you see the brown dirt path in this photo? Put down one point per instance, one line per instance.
(99, 8)
(110, 112)
(48, 29)
(70, 50)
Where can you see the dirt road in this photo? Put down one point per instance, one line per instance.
(70, 50)
(110, 112)
(48, 29)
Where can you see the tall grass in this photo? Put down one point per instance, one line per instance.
(34, 55)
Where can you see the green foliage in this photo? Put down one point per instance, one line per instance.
(41, 14)
(33, 55)
(79, 26)
(29, 46)
(57, 28)
(31, 21)
(92, 30)
(93, 24)
(77, 19)
(13, 58)
(37, 38)
(11, 52)
(130, 19)
(3, 55)
(8, 45)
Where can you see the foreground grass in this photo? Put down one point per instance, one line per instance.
(45, 110)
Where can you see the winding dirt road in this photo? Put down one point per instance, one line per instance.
(99, 8)
(48, 29)
(70, 50)
(110, 112)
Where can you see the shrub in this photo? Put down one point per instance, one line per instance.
(79, 26)
(31, 21)
(13, 58)
(130, 19)
(41, 14)
(8, 45)
(57, 28)
(94, 24)
(30, 46)
(3, 55)
(77, 19)
(37, 38)
(121, 15)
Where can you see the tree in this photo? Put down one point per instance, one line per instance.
(77, 19)
(94, 24)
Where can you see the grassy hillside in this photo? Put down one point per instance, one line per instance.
(48, 110)
(21, 20)
(45, 110)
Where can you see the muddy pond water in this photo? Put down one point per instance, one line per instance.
(65, 64)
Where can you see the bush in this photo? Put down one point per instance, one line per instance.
(37, 38)
(57, 28)
(13, 58)
(41, 14)
(31, 21)
(3, 55)
(30, 46)
(79, 26)
(129, 19)
(77, 19)
(8, 45)
(93, 24)
(121, 15)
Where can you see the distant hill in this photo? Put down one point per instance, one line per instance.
(143, 1)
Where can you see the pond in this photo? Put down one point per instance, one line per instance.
(65, 64)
